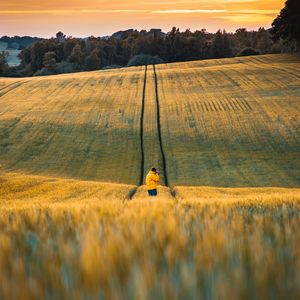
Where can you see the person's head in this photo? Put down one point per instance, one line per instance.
(154, 170)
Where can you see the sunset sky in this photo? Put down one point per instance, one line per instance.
(81, 18)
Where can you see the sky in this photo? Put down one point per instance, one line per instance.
(81, 18)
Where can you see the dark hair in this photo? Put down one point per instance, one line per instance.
(153, 169)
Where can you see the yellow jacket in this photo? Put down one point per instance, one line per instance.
(152, 180)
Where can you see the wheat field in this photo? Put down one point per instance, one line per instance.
(227, 123)
(68, 239)
(232, 122)
(73, 125)
(76, 222)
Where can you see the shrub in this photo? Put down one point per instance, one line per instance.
(248, 51)
(276, 48)
(112, 67)
(144, 59)
(67, 67)
(64, 67)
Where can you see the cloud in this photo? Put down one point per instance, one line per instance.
(189, 11)
(72, 11)
(101, 17)
(167, 11)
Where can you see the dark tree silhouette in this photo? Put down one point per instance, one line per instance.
(60, 37)
(77, 54)
(37, 55)
(221, 45)
(287, 24)
(3, 62)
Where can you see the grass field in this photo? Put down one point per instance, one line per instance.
(74, 151)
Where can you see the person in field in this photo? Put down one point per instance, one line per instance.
(152, 180)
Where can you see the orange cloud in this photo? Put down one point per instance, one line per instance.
(100, 17)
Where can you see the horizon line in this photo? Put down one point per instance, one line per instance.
(126, 29)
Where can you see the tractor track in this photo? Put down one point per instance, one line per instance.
(16, 85)
(133, 192)
(7, 86)
(142, 129)
(141, 179)
(164, 164)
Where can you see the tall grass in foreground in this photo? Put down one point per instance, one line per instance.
(149, 249)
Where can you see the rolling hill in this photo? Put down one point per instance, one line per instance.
(75, 148)
(224, 123)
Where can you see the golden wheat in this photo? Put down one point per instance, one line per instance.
(65, 239)
(232, 122)
(228, 122)
(224, 123)
(78, 126)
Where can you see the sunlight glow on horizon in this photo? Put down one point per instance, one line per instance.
(100, 17)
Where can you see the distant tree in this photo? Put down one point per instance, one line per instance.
(37, 53)
(242, 38)
(264, 41)
(77, 55)
(25, 56)
(92, 43)
(60, 37)
(50, 61)
(68, 47)
(170, 51)
(287, 24)
(109, 52)
(227, 52)
(202, 38)
(93, 62)
(3, 62)
(219, 48)
(59, 51)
